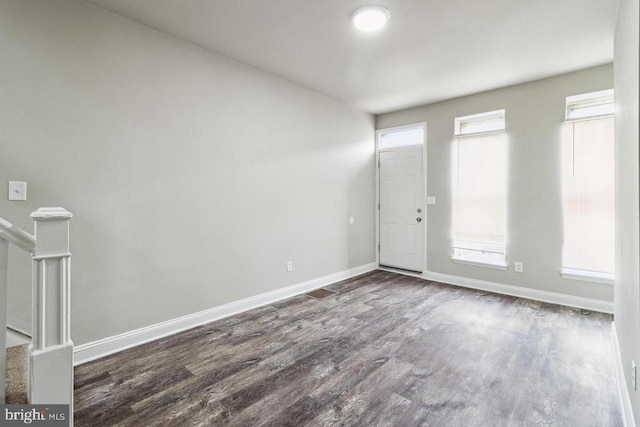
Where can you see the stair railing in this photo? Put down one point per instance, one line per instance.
(51, 351)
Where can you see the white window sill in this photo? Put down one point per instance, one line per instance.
(478, 263)
(587, 276)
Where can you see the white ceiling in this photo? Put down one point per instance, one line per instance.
(430, 50)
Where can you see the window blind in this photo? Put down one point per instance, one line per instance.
(479, 194)
(588, 195)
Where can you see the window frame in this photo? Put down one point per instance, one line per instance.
(479, 257)
(459, 122)
(573, 103)
(585, 100)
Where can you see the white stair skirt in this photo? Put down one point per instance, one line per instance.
(14, 338)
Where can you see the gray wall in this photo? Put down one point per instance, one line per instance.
(534, 112)
(192, 178)
(627, 294)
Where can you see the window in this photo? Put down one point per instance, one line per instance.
(479, 190)
(588, 188)
(401, 137)
(590, 105)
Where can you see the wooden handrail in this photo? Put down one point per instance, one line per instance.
(17, 236)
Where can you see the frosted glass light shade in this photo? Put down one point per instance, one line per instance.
(370, 18)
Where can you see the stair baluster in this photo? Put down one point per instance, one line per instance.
(4, 263)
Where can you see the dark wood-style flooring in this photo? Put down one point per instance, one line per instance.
(385, 349)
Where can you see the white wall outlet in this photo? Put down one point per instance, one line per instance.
(17, 190)
(431, 200)
(633, 375)
(518, 267)
(352, 220)
(289, 265)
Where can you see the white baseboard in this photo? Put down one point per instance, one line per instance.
(94, 350)
(623, 392)
(516, 291)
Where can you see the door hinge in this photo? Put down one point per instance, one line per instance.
(378, 163)
(378, 205)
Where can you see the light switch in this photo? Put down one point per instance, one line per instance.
(431, 200)
(17, 190)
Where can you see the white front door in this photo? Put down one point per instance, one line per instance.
(402, 231)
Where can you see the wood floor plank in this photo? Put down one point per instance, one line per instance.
(348, 407)
(229, 379)
(385, 411)
(385, 349)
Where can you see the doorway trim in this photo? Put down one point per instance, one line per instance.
(379, 132)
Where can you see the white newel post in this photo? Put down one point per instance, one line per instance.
(51, 351)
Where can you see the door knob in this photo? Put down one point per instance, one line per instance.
(419, 210)
(418, 219)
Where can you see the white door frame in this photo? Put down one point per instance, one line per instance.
(379, 132)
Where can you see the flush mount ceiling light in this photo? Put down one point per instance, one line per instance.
(370, 18)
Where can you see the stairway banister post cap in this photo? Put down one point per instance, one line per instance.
(44, 214)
